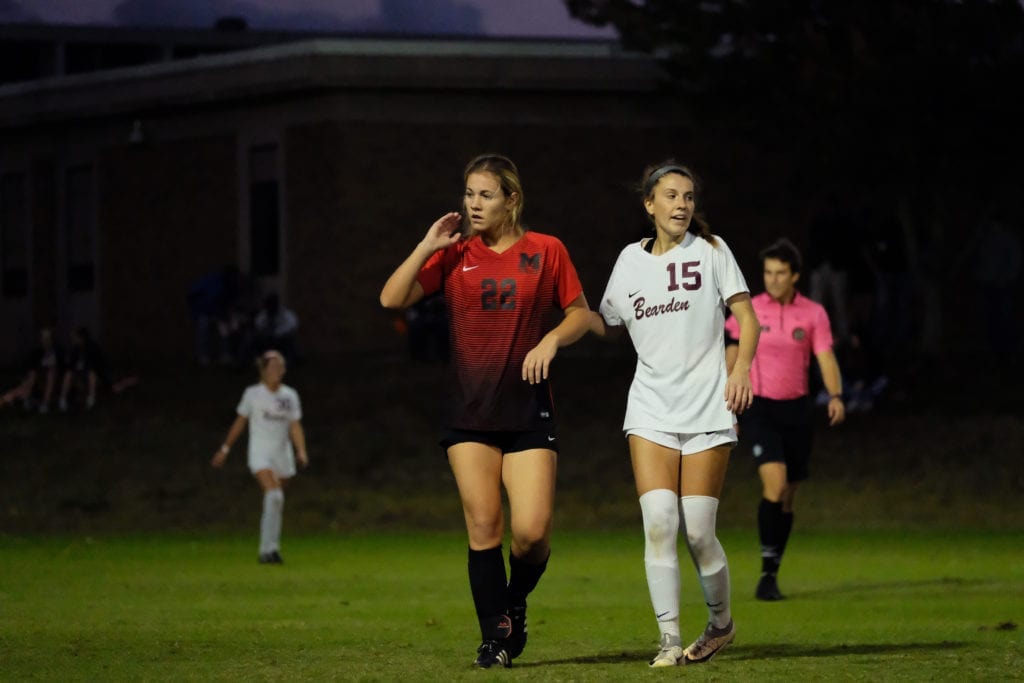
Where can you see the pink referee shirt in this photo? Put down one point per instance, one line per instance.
(790, 333)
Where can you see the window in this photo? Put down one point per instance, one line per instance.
(14, 252)
(264, 212)
(81, 229)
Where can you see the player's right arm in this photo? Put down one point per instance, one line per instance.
(403, 289)
(237, 427)
(599, 327)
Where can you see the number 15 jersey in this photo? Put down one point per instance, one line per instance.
(499, 307)
(672, 305)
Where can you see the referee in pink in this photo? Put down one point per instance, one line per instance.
(779, 426)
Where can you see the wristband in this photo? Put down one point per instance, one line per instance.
(224, 448)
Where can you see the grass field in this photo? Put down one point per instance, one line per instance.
(390, 607)
(124, 556)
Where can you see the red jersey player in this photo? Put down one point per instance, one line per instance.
(501, 285)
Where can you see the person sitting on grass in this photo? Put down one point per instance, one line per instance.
(86, 370)
(42, 375)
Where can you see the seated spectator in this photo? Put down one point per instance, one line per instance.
(41, 378)
(275, 327)
(86, 369)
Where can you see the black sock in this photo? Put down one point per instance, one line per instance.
(787, 526)
(773, 526)
(490, 592)
(523, 578)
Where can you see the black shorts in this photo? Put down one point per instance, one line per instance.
(506, 441)
(780, 431)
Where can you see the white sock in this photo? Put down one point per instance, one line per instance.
(699, 516)
(270, 522)
(661, 558)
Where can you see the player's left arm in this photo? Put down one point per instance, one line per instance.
(575, 324)
(739, 392)
(833, 381)
(298, 437)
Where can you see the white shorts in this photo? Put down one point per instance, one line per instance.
(688, 444)
(282, 465)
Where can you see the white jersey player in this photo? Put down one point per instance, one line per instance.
(273, 413)
(668, 292)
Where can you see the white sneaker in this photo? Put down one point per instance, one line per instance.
(671, 652)
(709, 643)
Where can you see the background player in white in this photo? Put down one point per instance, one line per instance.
(779, 425)
(273, 413)
(668, 293)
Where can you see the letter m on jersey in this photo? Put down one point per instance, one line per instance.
(529, 263)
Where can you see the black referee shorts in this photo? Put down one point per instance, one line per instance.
(780, 431)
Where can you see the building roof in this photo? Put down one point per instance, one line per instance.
(331, 64)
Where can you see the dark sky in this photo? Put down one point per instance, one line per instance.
(540, 18)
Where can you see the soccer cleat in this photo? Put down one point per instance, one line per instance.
(491, 653)
(273, 557)
(709, 643)
(768, 589)
(517, 639)
(671, 652)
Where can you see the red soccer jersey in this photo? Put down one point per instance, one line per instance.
(499, 308)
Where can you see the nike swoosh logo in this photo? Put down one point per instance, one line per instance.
(632, 294)
(552, 438)
(662, 614)
(466, 268)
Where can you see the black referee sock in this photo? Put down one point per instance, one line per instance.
(487, 582)
(773, 526)
(523, 578)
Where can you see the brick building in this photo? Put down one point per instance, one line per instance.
(313, 165)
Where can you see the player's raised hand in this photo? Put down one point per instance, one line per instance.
(444, 232)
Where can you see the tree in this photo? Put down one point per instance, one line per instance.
(913, 77)
(912, 102)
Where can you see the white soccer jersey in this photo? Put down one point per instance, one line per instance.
(270, 413)
(673, 307)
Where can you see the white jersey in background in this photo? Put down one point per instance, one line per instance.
(673, 307)
(270, 413)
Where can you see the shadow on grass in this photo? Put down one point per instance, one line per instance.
(777, 650)
(765, 651)
(880, 586)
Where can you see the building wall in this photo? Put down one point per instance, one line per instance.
(168, 215)
(363, 173)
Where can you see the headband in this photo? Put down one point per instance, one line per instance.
(657, 174)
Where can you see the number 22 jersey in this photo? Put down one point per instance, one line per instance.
(499, 307)
(672, 305)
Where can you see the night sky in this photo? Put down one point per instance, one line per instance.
(522, 18)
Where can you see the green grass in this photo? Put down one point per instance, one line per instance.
(876, 605)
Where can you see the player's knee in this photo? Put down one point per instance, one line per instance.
(660, 509)
(484, 529)
(707, 551)
(533, 548)
(531, 535)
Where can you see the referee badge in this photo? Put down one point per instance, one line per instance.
(799, 333)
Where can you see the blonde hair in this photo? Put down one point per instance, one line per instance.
(263, 360)
(507, 174)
